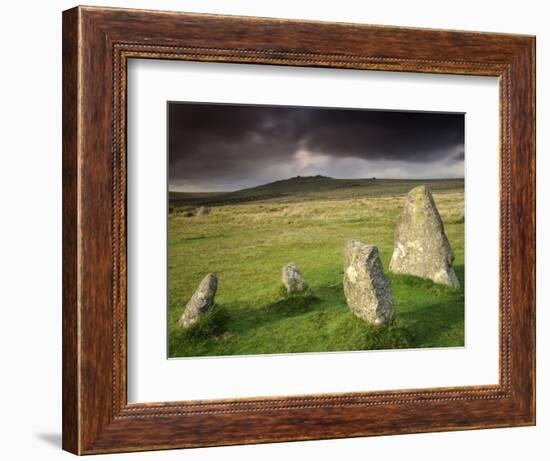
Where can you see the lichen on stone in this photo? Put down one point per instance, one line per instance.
(421, 245)
(367, 289)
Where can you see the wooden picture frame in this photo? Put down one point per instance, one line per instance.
(97, 43)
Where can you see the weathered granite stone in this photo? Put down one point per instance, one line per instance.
(367, 289)
(201, 301)
(421, 246)
(202, 211)
(292, 279)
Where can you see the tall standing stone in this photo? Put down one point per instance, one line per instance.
(292, 279)
(201, 301)
(421, 246)
(367, 289)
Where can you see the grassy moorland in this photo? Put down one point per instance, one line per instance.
(250, 235)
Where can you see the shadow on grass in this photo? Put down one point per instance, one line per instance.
(251, 316)
(292, 304)
(200, 338)
(420, 284)
(459, 271)
(435, 325)
(212, 324)
(434, 312)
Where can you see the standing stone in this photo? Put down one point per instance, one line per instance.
(421, 246)
(292, 279)
(201, 301)
(202, 211)
(367, 289)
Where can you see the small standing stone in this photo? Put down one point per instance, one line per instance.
(201, 301)
(292, 279)
(367, 289)
(421, 246)
(202, 211)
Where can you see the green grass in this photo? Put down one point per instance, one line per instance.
(247, 242)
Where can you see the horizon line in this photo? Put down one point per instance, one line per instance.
(314, 176)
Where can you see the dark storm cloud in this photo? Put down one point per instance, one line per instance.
(216, 146)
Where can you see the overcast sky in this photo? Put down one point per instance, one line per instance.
(216, 147)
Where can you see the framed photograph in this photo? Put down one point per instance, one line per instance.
(280, 230)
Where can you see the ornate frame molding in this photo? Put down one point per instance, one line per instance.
(97, 45)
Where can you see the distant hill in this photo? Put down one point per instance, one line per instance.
(312, 188)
